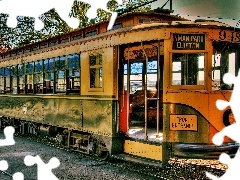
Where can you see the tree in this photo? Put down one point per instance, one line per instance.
(3, 49)
(25, 33)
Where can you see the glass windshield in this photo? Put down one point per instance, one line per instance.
(188, 69)
(223, 61)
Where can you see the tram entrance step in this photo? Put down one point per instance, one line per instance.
(143, 149)
(136, 159)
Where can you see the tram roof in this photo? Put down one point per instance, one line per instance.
(183, 24)
(171, 21)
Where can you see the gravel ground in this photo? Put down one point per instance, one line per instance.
(75, 166)
(72, 166)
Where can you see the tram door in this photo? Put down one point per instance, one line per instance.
(141, 92)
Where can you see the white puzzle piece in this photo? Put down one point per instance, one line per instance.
(231, 131)
(34, 8)
(44, 170)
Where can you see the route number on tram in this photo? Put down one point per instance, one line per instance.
(232, 36)
(183, 122)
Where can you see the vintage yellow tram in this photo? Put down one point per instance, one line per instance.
(144, 90)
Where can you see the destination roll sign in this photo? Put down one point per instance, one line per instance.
(189, 41)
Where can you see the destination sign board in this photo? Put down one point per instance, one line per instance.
(188, 42)
(183, 122)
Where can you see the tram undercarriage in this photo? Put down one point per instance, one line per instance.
(78, 141)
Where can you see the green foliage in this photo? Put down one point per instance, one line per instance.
(25, 33)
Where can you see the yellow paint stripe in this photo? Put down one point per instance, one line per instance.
(143, 150)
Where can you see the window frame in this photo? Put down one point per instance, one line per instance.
(38, 87)
(28, 75)
(56, 73)
(8, 87)
(96, 66)
(3, 80)
(188, 87)
(70, 79)
(49, 70)
(13, 75)
(26, 70)
(22, 74)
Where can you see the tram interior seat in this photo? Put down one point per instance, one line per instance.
(137, 109)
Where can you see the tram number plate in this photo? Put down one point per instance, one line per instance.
(183, 122)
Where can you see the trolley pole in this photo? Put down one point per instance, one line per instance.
(170, 4)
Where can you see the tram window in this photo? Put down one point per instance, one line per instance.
(38, 66)
(48, 84)
(60, 81)
(74, 61)
(48, 64)
(8, 79)
(78, 36)
(43, 46)
(35, 48)
(73, 73)
(27, 50)
(38, 83)
(29, 83)
(38, 77)
(91, 33)
(136, 76)
(29, 77)
(29, 67)
(14, 80)
(96, 71)
(64, 40)
(188, 69)
(1, 80)
(53, 43)
(20, 52)
(60, 63)
(117, 26)
(74, 80)
(152, 67)
(21, 78)
(221, 64)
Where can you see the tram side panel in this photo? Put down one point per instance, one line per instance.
(183, 127)
(62, 112)
(190, 124)
(20, 107)
(94, 112)
(100, 99)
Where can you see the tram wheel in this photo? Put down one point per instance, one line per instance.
(104, 155)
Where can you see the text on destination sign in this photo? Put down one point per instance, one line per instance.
(189, 41)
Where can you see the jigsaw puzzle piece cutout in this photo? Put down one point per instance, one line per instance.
(9, 140)
(3, 165)
(25, 8)
(235, 97)
(95, 5)
(44, 170)
(36, 8)
(18, 176)
(64, 10)
(231, 131)
(233, 167)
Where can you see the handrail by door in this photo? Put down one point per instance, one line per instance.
(145, 94)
